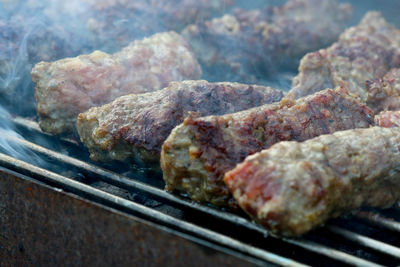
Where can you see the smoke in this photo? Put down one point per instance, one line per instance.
(389, 9)
(32, 31)
(46, 30)
(8, 146)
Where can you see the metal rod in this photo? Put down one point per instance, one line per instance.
(366, 241)
(148, 212)
(335, 254)
(34, 126)
(119, 180)
(122, 181)
(29, 124)
(379, 220)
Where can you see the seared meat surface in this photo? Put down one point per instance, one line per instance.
(364, 52)
(135, 126)
(248, 44)
(200, 151)
(294, 187)
(384, 93)
(70, 86)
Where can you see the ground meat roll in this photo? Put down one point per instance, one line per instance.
(294, 187)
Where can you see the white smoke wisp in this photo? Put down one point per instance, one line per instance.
(9, 141)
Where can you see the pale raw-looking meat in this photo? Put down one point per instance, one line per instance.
(70, 86)
(133, 127)
(200, 151)
(364, 52)
(248, 45)
(294, 187)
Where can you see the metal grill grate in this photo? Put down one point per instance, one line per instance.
(365, 238)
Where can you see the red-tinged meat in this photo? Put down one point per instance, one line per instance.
(249, 44)
(388, 119)
(294, 187)
(133, 127)
(364, 52)
(200, 151)
(384, 93)
(70, 86)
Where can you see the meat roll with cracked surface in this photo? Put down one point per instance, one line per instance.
(364, 52)
(135, 126)
(247, 44)
(67, 87)
(200, 151)
(294, 187)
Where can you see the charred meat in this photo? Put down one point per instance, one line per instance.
(246, 45)
(364, 52)
(135, 126)
(200, 151)
(294, 187)
(70, 86)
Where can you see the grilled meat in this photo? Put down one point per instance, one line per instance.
(246, 45)
(70, 86)
(200, 151)
(135, 126)
(364, 52)
(384, 93)
(388, 119)
(294, 187)
(116, 23)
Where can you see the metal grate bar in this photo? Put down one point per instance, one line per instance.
(366, 241)
(34, 126)
(335, 254)
(379, 220)
(127, 183)
(148, 212)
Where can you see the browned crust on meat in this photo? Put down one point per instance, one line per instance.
(67, 87)
(236, 46)
(363, 53)
(294, 187)
(133, 127)
(198, 152)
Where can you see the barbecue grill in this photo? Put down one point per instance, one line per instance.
(61, 208)
(167, 225)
